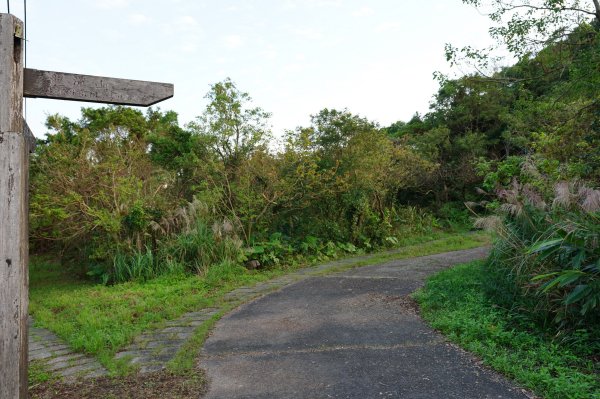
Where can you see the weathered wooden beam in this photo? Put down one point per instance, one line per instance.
(14, 249)
(98, 89)
(29, 137)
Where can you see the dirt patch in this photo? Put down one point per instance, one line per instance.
(402, 303)
(163, 385)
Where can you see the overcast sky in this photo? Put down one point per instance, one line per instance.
(294, 57)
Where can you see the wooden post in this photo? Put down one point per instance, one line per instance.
(14, 248)
(16, 142)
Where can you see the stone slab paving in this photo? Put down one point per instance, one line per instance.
(59, 358)
(353, 334)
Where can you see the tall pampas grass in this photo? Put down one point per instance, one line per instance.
(574, 194)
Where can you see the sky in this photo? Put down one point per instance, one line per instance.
(294, 57)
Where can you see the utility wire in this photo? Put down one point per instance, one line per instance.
(25, 46)
(25, 29)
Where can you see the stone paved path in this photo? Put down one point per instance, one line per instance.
(47, 348)
(354, 334)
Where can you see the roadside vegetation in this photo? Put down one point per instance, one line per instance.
(532, 310)
(455, 303)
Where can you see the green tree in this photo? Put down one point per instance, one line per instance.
(346, 173)
(94, 187)
(238, 170)
(234, 128)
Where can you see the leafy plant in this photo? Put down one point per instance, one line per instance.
(546, 261)
(572, 253)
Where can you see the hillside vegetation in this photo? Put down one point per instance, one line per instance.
(121, 195)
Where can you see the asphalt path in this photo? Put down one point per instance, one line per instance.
(355, 334)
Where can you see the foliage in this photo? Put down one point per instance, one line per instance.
(113, 190)
(233, 130)
(94, 190)
(525, 26)
(547, 257)
(353, 172)
(453, 302)
(132, 196)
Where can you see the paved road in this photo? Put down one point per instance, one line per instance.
(354, 334)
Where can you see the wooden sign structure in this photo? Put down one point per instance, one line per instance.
(16, 142)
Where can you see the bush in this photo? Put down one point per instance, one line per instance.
(546, 260)
(200, 247)
(455, 215)
(454, 303)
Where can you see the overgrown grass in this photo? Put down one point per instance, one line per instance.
(100, 320)
(454, 303)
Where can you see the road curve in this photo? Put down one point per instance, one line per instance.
(354, 334)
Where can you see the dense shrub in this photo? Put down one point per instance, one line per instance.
(545, 263)
(132, 196)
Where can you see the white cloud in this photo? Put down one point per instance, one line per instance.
(326, 3)
(188, 21)
(387, 26)
(308, 33)
(363, 12)
(294, 68)
(111, 4)
(233, 41)
(270, 53)
(138, 19)
(292, 4)
(189, 31)
(189, 47)
(243, 6)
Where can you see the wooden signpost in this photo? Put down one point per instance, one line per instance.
(97, 89)
(16, 142)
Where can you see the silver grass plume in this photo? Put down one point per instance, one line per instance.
(589, 199)
(562, 195)
(489, 223)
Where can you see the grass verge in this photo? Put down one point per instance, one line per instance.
(453, 302)
(100, 320)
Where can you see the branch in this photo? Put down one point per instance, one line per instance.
(512, 7)
(597, 6)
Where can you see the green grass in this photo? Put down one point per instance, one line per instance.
(100, 320)
(454, 303)
(186, 357)
(38, 373)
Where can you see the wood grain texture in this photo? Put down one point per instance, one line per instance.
(14, 248)
(69, 86)
(29, 136)
(11, 76)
